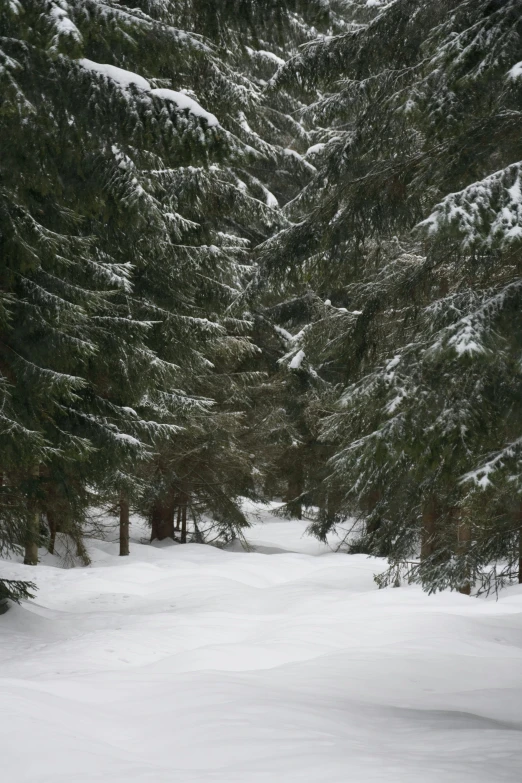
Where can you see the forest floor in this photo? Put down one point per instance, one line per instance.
(189, 664)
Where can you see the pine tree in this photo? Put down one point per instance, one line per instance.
(411, 237)
(118, 259)
(293, 461)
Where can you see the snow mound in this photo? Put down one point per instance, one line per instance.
(189, 664)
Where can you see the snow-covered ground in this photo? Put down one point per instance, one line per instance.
(188, 664)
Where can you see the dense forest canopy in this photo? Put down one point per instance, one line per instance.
(265, 249)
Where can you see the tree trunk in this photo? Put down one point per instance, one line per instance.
(33, 529)
(464, 543)
(32, 536)
(178, 518)
(124, 524)
(162, 518)
(53, 529)
(183, 537)
(520, 547)
(81, 550)
(50, 507)
(295, 489)
(520, 557)
(429, 518)
(373, 499)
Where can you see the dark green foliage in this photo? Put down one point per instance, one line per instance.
(364, 362)
(410, 234)
(121, 248)
(126, 214)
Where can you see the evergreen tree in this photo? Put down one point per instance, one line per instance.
(116, 260)
(410, 235)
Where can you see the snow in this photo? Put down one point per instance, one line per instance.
(294, 154)
(271, 56)
(126, 78)
(62, 24)
(515, 191)
(516, 71)
(190, 664)
(297, 360)
(270, 200)
(485, 212)
(315, 148)
(266, 55)
(120, 75)
(392, 364)
(124, 437)
(287, 337)
(186, 102)
(496, 462)
(467, 339)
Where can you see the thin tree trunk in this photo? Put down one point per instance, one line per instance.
(295, 489)
(33, 529)
(124, 524)
(183, 537)
(520, 557)
(178, 518)
(520, 547)
(429, 518)
(49, 507)
(464, 543)
(53, 529)
(373, 499)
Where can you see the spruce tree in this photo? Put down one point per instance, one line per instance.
(119, 249)
(410, 235)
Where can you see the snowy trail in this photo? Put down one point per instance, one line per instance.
(195, 665)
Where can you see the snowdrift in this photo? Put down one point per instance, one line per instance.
(281, 665)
